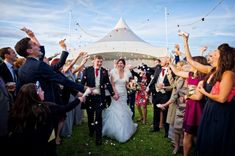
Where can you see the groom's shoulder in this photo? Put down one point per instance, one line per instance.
(103, 68)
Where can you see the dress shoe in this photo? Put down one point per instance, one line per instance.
(91, 134)
(98, 142)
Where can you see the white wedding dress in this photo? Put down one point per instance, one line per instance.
(117, 118)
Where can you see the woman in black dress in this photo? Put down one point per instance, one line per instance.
(216, 133)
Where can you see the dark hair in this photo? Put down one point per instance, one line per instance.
(28, 108)
(201, 60)
(157, 60)
(226, 62)
(4, 51)
(121, 60)
(22, 46)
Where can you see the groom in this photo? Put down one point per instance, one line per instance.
(97, 78)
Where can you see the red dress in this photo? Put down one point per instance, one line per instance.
(141, 99)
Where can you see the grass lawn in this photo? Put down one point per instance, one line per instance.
(142, 142)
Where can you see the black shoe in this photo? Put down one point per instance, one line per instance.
(91, 134)
(154, 130)
(98, 142)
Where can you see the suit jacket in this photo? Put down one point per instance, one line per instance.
(34, 70)
(88, 79)
(5, 103)
(5, 73)
(166, 80)
(61, 62)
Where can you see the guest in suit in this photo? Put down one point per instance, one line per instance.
(35, 70)
(160, 87)
(96, 77)
(7, 71)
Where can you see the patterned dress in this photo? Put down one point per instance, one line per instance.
(141, 99)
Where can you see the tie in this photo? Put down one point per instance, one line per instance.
(14, 74)
(96, 72)
(163, 70)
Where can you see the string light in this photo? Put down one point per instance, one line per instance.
(86, 31)
(202, 19)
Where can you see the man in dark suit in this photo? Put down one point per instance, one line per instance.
(35, 70)
(7, 71)
(160, 87)
(97, 78)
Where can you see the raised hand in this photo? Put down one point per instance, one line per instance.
(82, 99)
(62, 44)
(184, 34)
(203, 49)
(28, 32)
(31, 35)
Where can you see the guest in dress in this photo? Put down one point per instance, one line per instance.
(216, 132)
(193, 108)
(31, 122)
(142, 96)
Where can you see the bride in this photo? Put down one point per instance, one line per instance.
(117, 119)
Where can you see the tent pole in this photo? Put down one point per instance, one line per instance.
(166, 31)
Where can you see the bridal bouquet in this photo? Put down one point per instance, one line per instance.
(133, 86)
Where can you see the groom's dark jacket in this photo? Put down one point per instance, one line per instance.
(88, 79)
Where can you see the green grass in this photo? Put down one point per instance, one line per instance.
(142, 142)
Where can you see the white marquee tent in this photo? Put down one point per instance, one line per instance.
(123, 42)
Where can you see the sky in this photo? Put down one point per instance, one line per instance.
(83, 22)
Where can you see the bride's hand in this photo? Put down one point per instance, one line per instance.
(116, 96)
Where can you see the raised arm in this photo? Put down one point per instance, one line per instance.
(182, 74)
(81, 65)
(31, 35)
(200, 67)
(74, 61)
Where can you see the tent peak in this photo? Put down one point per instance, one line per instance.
(121, 24)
